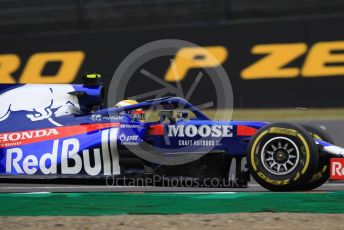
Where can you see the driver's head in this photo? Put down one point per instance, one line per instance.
(126, 103)
(137, 114)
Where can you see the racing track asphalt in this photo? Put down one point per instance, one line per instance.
(41, 188)
(334, 128)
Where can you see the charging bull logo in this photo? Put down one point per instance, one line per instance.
(40, 102)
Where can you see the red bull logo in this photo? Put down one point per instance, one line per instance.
(40, 102)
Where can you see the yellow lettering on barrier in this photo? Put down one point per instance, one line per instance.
(70, 65)
(272, 65)
(320, 55)
(195, 57)
(9, 63)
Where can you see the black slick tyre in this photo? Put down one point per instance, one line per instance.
(282, 157)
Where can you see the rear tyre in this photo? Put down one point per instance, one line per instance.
(282, 157)
(322, 173)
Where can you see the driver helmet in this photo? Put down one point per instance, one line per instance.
(137, 114)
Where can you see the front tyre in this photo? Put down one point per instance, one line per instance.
(282, 157)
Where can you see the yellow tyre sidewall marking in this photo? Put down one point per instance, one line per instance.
(321, 173)
(307, 153)
(254, 148)
(316, 136)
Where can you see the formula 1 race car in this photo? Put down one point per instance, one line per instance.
(62, 131)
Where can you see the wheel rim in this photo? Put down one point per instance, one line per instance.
(280, 155)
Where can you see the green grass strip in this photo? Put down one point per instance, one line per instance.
(92, 204)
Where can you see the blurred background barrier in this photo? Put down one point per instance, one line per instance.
(23, 16)
(280, 53)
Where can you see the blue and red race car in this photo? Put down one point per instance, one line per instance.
(62, 131)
